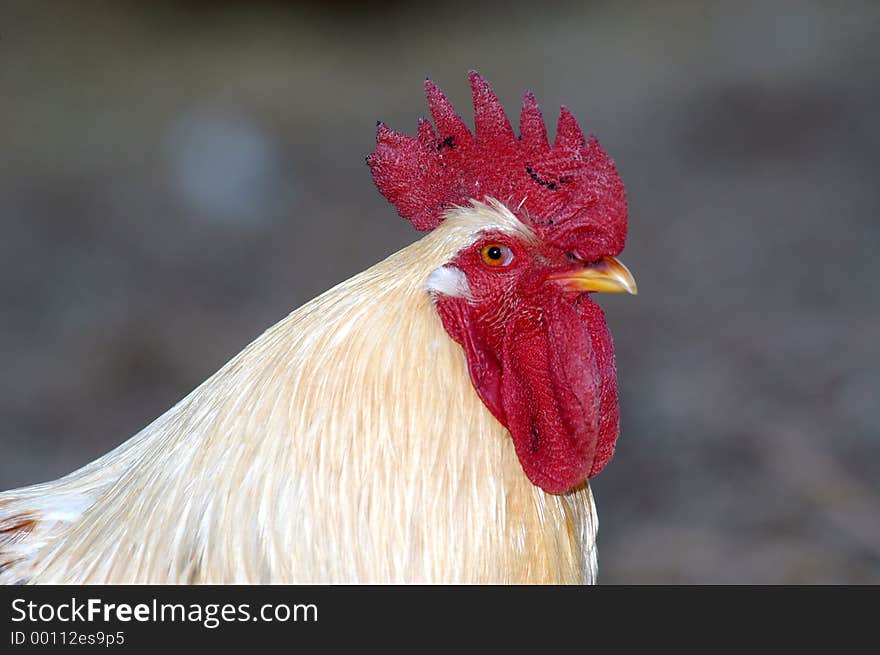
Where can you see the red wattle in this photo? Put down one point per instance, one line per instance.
(550, 379)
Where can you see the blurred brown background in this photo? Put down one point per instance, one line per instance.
(173, 181)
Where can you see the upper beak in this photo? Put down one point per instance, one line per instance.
(608, 274)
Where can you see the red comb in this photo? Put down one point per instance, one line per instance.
(569, 192)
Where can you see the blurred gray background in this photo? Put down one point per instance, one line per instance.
(175, 180)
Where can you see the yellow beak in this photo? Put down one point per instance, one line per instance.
(608, 275)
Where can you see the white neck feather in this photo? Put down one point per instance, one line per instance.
(345, 445)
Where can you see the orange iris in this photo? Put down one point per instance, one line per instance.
(496, 254)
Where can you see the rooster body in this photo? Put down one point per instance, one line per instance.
(290, 465)
(433, 419)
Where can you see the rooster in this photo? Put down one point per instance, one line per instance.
(433, 419)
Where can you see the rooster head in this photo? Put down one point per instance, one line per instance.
(516, 298)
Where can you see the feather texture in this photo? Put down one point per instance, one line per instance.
(345, 445)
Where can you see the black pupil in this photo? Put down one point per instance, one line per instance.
(494, 252)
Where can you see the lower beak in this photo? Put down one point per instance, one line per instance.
(608, 275)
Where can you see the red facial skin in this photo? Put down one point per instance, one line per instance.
(540, 358)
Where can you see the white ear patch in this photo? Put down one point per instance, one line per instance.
(450, 281)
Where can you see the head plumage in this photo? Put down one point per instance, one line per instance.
(569, 192)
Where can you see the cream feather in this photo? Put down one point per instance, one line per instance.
(345, 445)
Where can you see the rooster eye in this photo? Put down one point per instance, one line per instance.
(496, 254)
